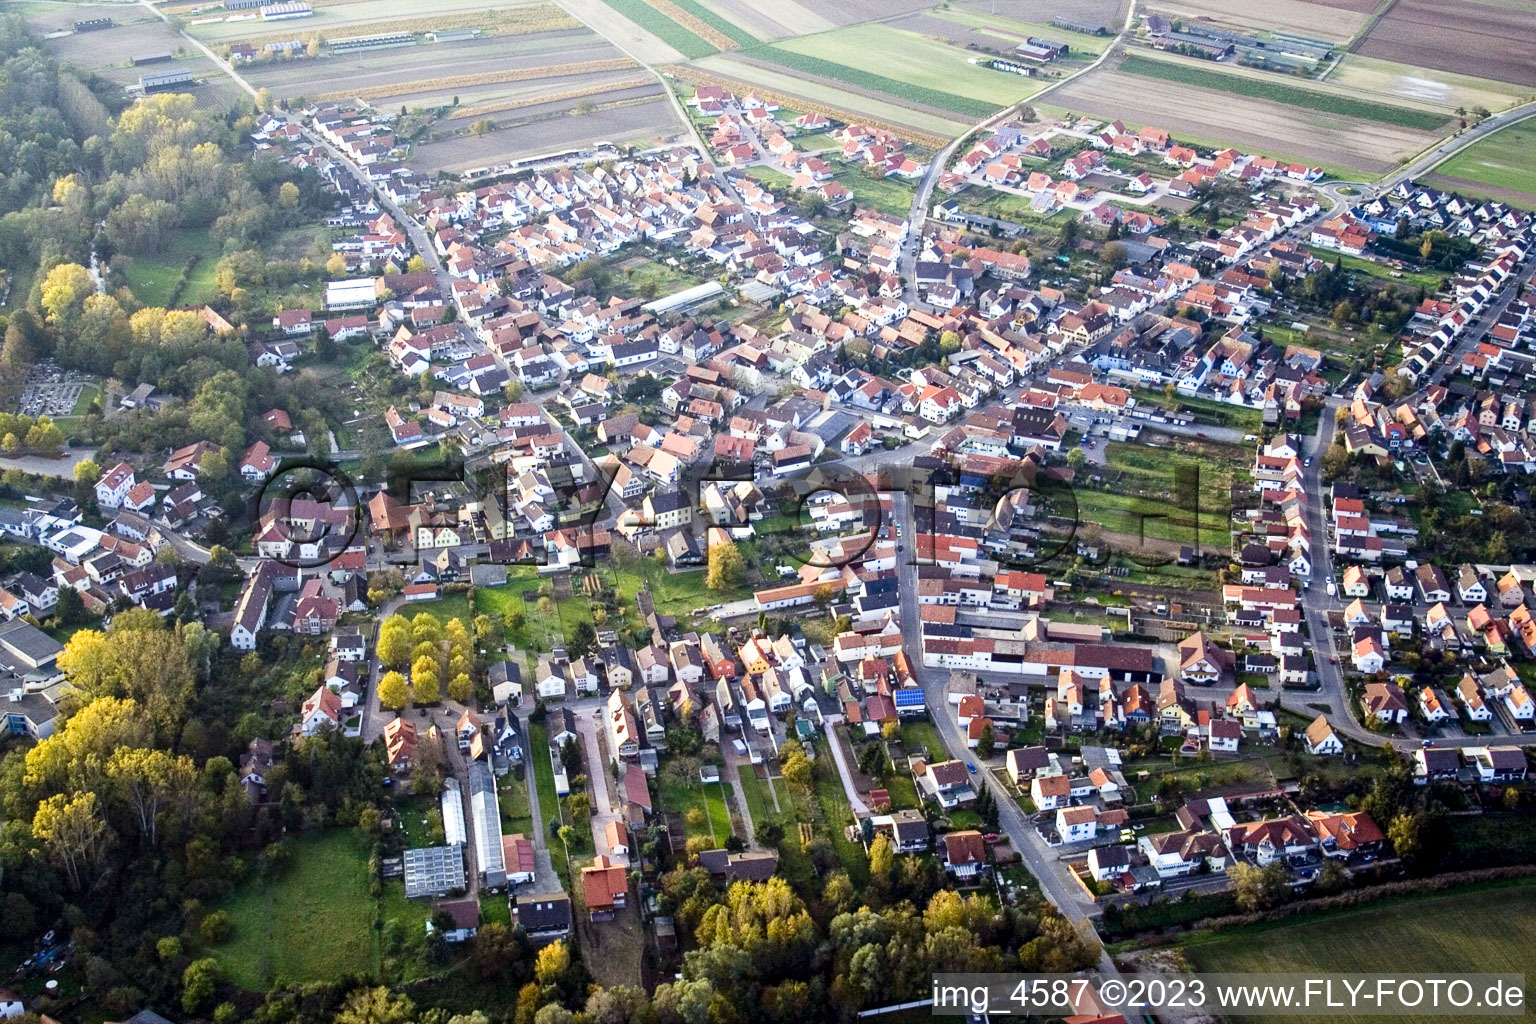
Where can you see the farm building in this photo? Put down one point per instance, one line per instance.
(284, 12)
(1035, 48)
(1085, 27)
(434, 871)
(354, 293)
(244, 5)
(159, 57)
(381, 42)
(687, 300)
(164, 80)
(93, 24)
(453, 35)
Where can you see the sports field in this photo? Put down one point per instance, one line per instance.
(1506, 159)
(1484, 930)
(932, 72)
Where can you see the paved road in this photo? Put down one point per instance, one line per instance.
(919, 212)
(1055, 879)
(860, 808)
(545, 879)
(190, 551)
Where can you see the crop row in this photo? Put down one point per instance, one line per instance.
(877, 83)
(662, 27)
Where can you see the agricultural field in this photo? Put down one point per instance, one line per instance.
(919, 68)
(1501, 163)
(1393, 82)
(659, 24)
(1109, 13)
(770, 21)
(1443, 931)
(1341, 144)
(554, 128)
(846, 102)
(1489, 40)
(375, 17)
(1329, 23)
(1273, 88)
(966, 27)
(108, 52)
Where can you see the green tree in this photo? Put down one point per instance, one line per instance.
(392, 691)
(726, 566)
(198, 982)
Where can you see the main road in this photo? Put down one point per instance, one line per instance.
(1055, 878)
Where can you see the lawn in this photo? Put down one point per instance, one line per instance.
(313, 923)
(917, 737)
(719, 810)
(675, 593)
(544, 782)
(449, 606)
(1280, 92)
(896, 88)
(834, 804)
(1502, 159)
(516, 815)
(1440, 932)
(914, 60)
(153, 276)
(1144, 494)
(888, 195)
(1427, 279)
(757, 800)
(633, 281)
(662, 27)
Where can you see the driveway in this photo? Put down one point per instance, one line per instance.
(599, 782)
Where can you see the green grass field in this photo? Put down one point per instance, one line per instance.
(915, 60)
(1279, 92)
(888, 195)
(895, 88)
(313, 923)
(1429, 279)
(1502, 159)
(1478, 929)
(153, 277)
(758, 803)
(662, 27)
(834, 804)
